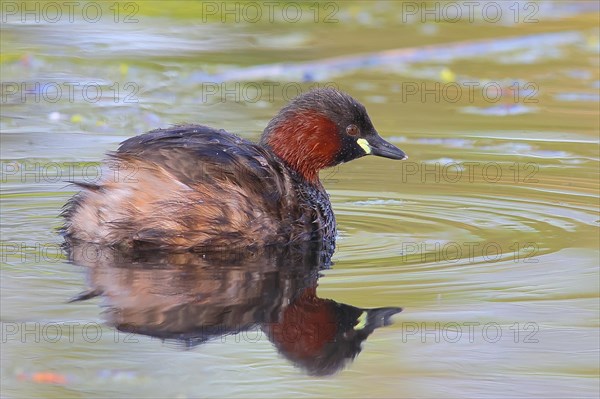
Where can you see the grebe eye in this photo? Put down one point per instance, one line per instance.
(352, 130)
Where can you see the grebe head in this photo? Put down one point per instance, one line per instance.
(323, 128)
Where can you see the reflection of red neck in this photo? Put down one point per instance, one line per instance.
(306, 325)
(307, 142)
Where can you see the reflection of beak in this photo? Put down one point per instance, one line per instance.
(378, 146)
(370, 319)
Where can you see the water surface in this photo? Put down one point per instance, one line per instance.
(487, 235)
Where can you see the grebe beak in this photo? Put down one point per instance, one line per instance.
(375, 145)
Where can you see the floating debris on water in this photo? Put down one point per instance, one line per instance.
(43, 377)
(591, 97)
(500, 110)
(76, 118)
(540, 44)
(54, 116)
(447, 75)
(377, 202)
(447, 142)
(56, 378)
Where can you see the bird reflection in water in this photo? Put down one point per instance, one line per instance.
(192, 298)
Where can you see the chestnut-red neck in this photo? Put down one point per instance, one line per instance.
(306, 141)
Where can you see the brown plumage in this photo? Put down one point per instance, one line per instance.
(191, 298)
(194, 187)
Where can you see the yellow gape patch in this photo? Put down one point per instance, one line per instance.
(364, 144)
(362, 319)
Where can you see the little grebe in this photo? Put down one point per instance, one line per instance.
(192, 187)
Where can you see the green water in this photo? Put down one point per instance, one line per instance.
(487, 235)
